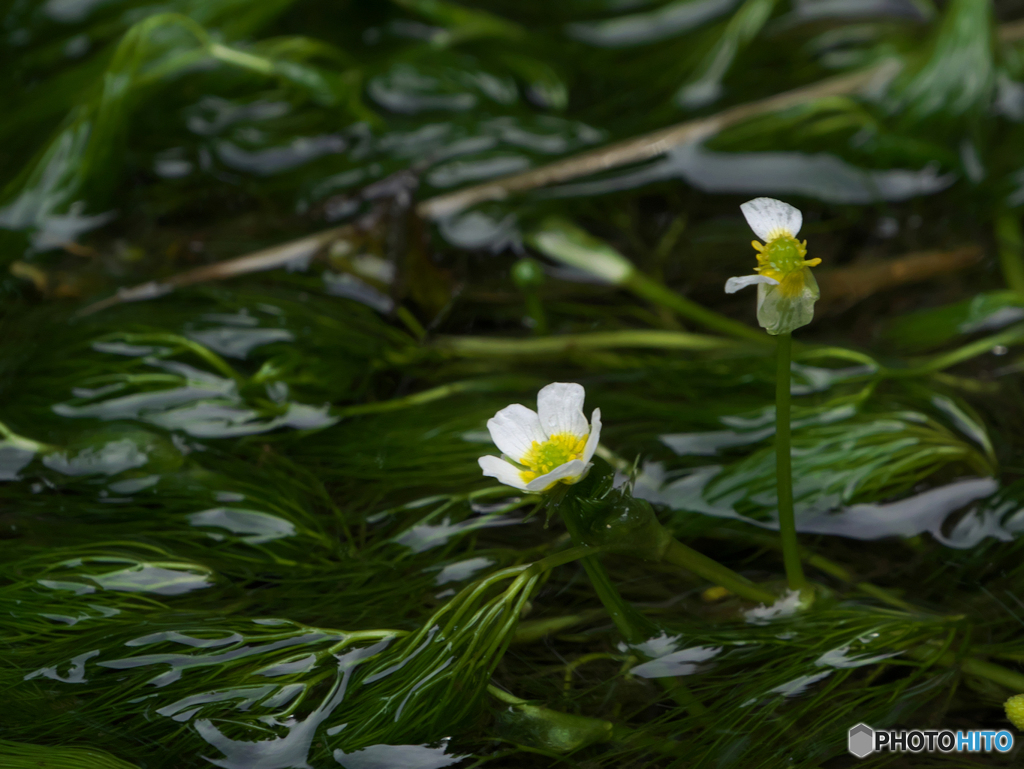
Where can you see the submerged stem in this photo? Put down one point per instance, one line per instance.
(1010, 679)
(1010, 336)
(821, 563)
(1010, 240)
(678, 554)
(560, 344)
(631, 624)
(783, 467)
(483, 385)
(634, 627)
(650, 289)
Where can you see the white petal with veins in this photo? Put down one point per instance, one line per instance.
(505, 472)
(770, 218)
(560, 407)
(514, 429)
(735, 284)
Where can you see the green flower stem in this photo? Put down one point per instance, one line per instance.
(1009, 679)
(659, 339)
(535, 311)
(839, 572)
(1010, 240)
(491, 384)
(528, 274)
(11, 438)
(567, 732)
(656, 292)
(820, 563)
(840, 353)
(783, 467)
(631, 624)
(534, 630)
(635, 629)
(1012, 335)
(678, 554)
(482, 346)
(175, 340)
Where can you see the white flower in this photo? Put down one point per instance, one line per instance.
(786, 288)
(544, 447)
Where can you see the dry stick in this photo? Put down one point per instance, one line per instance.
(639, 148)
(845, 286)
(267, 259)
(659, 142)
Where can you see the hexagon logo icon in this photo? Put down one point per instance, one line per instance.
(861, 740)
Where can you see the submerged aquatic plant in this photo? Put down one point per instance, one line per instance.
(244, 524)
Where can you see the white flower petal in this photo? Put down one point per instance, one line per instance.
(769, 218)
(514, 429)
(505, 472)
(780, 313)
(595, 435)
(560, 407)
(575, 468)
(735, 284)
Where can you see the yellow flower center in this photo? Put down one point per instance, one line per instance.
(544, 457)
(1015, 710)
(782, 259)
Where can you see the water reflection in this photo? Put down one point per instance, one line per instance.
(292, 748)
(799, 684)
(239, 342)
(13, 459)
(196, 401)
(178, 663)
(425, 536)
(109, 459)
(925, 512)
(274, 160)
(462, 570)
(255, 527)
(814, 10)
(821, 176)
(841, 455)
(350, 287)
(397, 757)
(683, 662)
(642, 28)
(150, 578)
(75, 673)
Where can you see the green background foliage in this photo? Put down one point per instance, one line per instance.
(242, 523)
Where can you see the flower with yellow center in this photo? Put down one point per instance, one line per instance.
(541, 448)
(1015, 710)
(786, 288)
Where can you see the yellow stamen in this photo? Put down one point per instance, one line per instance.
(782, 257)
(544, 457)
